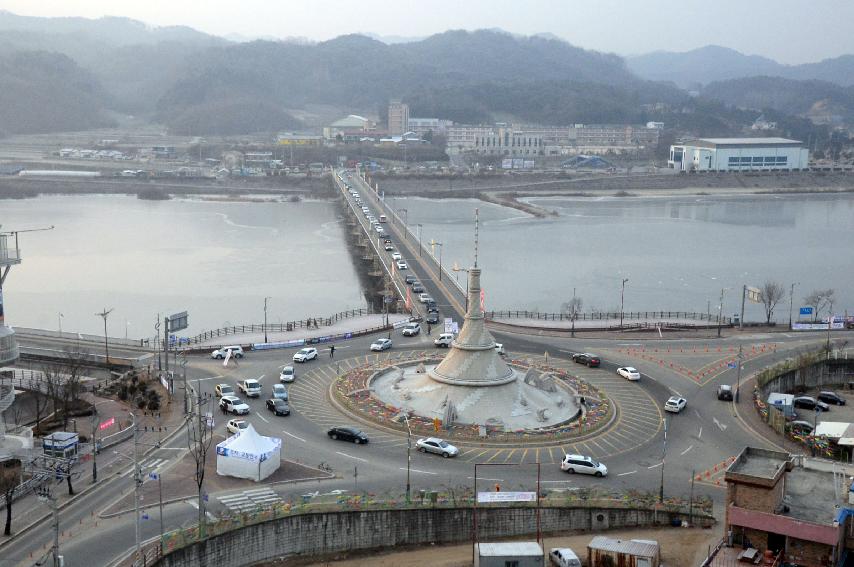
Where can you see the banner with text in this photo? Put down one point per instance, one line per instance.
(487, 497)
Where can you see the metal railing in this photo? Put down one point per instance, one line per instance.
(602, 315)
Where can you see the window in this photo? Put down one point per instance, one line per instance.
(511, 564)
(733, 161)
(782, 159)
(745, 160)
(757, 159)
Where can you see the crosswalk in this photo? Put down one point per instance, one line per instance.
(250, 500)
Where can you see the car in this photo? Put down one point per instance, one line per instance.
(222, 352)
(287, 374)
(424, 298)
(432, 307)
(305, 354)
(223, 390)
(233, 404)
(401, 265)
(583, 465)
(396, 256)
(499, 348)
(591, 360)
(346, 433)
(411, 329)
(564, 557)
(675, 404)
(250, 387)
(379, 229)
(236, 425)
(629, 373)
(808, 402)
(725, 392)
(417, 287)
(432, 317)
(388, 246)
(279, 392)
(444, 340)
(278, 406)
(410, 279)
(829, 397)
(381, 344)
(438, 446)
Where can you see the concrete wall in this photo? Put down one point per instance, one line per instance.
(316, 535)
(824, 374)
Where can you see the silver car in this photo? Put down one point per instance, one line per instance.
(438, 446)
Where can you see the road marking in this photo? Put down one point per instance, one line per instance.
(351, 456)
(627, 473)
(700, 434)
(418, 471)
(656, 466)
(686, 450)
(264, 419)
(721, 426)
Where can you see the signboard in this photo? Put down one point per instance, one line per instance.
(153, 476)
(507, 163)
(166, 380)
(806, 310)
(754, 294)
(488, 497)
(107, 423)
(209, 419)
(837, 325)
(177, 322)
(449, 325)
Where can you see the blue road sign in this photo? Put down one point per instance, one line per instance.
(806, 310)
(732, 365)
(153, 475)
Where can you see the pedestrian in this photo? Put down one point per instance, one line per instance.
(332, 351)
(429, 328)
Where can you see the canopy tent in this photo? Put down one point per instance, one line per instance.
(248, 455)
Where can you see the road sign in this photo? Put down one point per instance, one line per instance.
(153, 476)
(806, 310)
(177, 322)
(732, 365)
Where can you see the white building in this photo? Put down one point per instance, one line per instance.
(739, 154)
(423, 125)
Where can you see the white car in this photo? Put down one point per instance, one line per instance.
(401, 265)
(444, 340)
(438, 446)
(233, 404)
(388, 246)
(250, 387)
(379, 229)
(583, 465)
(224, 390)
(629, 373)
(381, 344)
(424, 298)
(396, 256)
(222, 352)
(305, 354)
(288, 374)
(675, 404)
(411, 329)
(236, 425)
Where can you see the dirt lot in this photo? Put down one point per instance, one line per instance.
(679, 547)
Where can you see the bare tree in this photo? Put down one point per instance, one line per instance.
(10, 480)
(572, 307)
(819, 299)
(771, 293)
(199, 440)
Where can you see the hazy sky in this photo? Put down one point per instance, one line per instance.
(791, 31)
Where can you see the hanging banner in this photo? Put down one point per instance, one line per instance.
(487, 497)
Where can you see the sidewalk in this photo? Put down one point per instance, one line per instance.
(748, 415)
(355, 325)
(609, 323)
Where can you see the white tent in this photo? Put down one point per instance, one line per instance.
(249, 455)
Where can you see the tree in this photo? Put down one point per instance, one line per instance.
(771, 293)
(10, 480)
(199, 439)
(572, 307)
(819, 299)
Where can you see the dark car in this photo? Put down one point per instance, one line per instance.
(590, 360)
(807, 402)
(417, 288)
(278, 406)
(432, 307)
(409, 279)
(725, 392)
(831, 398)
(432, 317)
(348, 434)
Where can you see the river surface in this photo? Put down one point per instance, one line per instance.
(677, 252)
(215, 259)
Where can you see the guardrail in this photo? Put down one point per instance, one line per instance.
(99, 339)
(598, 316)
(89, 358)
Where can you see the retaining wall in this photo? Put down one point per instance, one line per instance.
(316, 535)
(822, 374)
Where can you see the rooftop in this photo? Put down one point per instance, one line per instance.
(636, 547)
(810, 495)
(759, 463)
(525, 548)
(746, 141)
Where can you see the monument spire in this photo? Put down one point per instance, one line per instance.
(476, 223)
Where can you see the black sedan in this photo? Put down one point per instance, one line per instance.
(432, 317)
(807, 402)
(278, 406)
(348, 434)
(831, 398)
(590, 360)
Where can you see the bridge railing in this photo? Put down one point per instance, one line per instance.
(711, 318)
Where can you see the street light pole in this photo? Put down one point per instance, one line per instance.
(721, 312)
(94, 444)
(104, 314)
(59, 319)
(574, 312)
(439, 244)
(265, 319)
(663, 456)
(738, 372)
(137, 482)
(791, 302)
(408, 458)
(419, 225)
(405, 224)
(622, 299)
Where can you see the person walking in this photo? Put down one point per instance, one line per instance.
(429, 329)
(332, 351)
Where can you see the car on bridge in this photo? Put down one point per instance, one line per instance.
(675, 404)
(396, 256)
(432, 317)
(401, 265)
(629, 373)
(288, 374)
(583, 465)
(591, 360)
(223, 390)
(438, 446)
(499, 348)
(348, 434)
(411, 329)
(305, 354)
(417, 287)
(381, 345)
(278, 407)
(410, 279)
(233, 404)
(388, 247)
(236, 425)
(424, 298)
(250, 387)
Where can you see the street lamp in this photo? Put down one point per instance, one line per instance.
(721, 311)
(405, 223)
(104, 314)
(408, 458)
(439, 244)
(265, 318)
(663, 456)
(59, 319)
(791, 301)
(622, 298)
(419, 225)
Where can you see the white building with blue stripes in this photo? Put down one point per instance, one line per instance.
(739, 154)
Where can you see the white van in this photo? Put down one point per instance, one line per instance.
(236, 351)
(564, 557)
(444, 340)
(383, 218)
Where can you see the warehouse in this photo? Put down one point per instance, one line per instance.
(739, 154)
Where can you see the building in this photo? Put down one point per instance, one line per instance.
(305, 140)
(605, 551)
(422, 126)
(517, 554)
(794, 506)
(739, 154)
(353, 125)
(398, 118)
(498, 140)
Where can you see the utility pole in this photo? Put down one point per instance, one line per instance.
(574, 312)
(791, 302)
(45, 495)
(721, 312)
(743, 298)
(265, 319)
(738, 371)
(622, 298)
(408, 458)
(663, 456)
(104, 314)
(137, 482)
(94, 445)
(419, 225)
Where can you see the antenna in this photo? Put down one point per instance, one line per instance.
(476, 223)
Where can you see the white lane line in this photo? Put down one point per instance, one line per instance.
(294, 436)
(352, 457)
(262, 418)
(686, 450)
(418, 471)
(203, 379)
(627, 473)
(490, 479)
(655, 466)
(700, 434)
(721, 426)
(544, 481)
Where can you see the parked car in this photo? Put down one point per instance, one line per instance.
(250, 387)
(675, 404)
(583, 465)
(220, 353)
(432, 317)
(829, 397)
(591, 360)
(381, 345)
(409, 279)
(444, 340)
(438, 446)
(411, 329)
(223, 390)
(279, 392)
(808, 402)
(305, 354)
(725, 392)
(287, 374)
(348, 434)
(233, 404)
(417, 287)
(629, 373)
(278, 406)
(564, 557)
(236, 425)
(401, 265)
